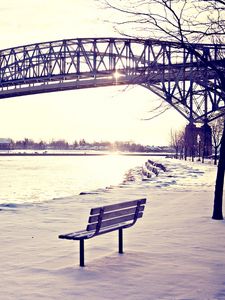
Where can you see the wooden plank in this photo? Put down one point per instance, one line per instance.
(114, 221)
(114, 214)
(107, 208)
(73, 235)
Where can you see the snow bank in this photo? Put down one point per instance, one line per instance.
(175, 252)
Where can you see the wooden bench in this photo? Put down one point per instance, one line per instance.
(106, 219)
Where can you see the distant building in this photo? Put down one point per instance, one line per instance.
(5, 144)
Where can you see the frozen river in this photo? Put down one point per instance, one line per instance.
(30, 179)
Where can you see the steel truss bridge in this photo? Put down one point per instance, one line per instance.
(175, 73)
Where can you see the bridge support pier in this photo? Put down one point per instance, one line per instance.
(190, 140)
(205, 134)
(198, 140)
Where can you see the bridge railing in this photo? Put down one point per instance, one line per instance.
(89, 56)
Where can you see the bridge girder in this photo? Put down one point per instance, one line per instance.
(174, 73)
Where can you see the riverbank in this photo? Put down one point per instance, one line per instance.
(176, 251)
(69, 153)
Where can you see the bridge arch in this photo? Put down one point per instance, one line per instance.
(170, 71)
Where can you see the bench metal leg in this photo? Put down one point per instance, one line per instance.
(82, 252)
(121, 241)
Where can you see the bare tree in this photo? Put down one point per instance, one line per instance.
(184, 22)
(217, 130)
(179, 20)
(174, 141)
(182, 143)
(177, 142)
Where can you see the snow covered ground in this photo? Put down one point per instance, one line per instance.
(176, 251)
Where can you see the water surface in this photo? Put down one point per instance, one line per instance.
(30, 179)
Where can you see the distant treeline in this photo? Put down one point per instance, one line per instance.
(84, 145)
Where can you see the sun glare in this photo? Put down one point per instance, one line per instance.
(116, 75)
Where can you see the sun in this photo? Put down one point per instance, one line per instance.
(116, 75)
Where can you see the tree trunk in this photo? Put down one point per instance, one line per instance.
(192, 153)
(218, 196)
(177, 152)
(215, 156)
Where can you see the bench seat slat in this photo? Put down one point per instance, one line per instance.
(114, 221)
(71, 235)
(84, 234)
(114, 214)
(117, 206)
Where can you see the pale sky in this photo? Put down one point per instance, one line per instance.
(98, 114)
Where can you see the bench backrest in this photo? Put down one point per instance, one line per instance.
(115, 214)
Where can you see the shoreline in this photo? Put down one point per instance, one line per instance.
(85, 154)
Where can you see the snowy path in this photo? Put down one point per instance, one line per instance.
(175, 252)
